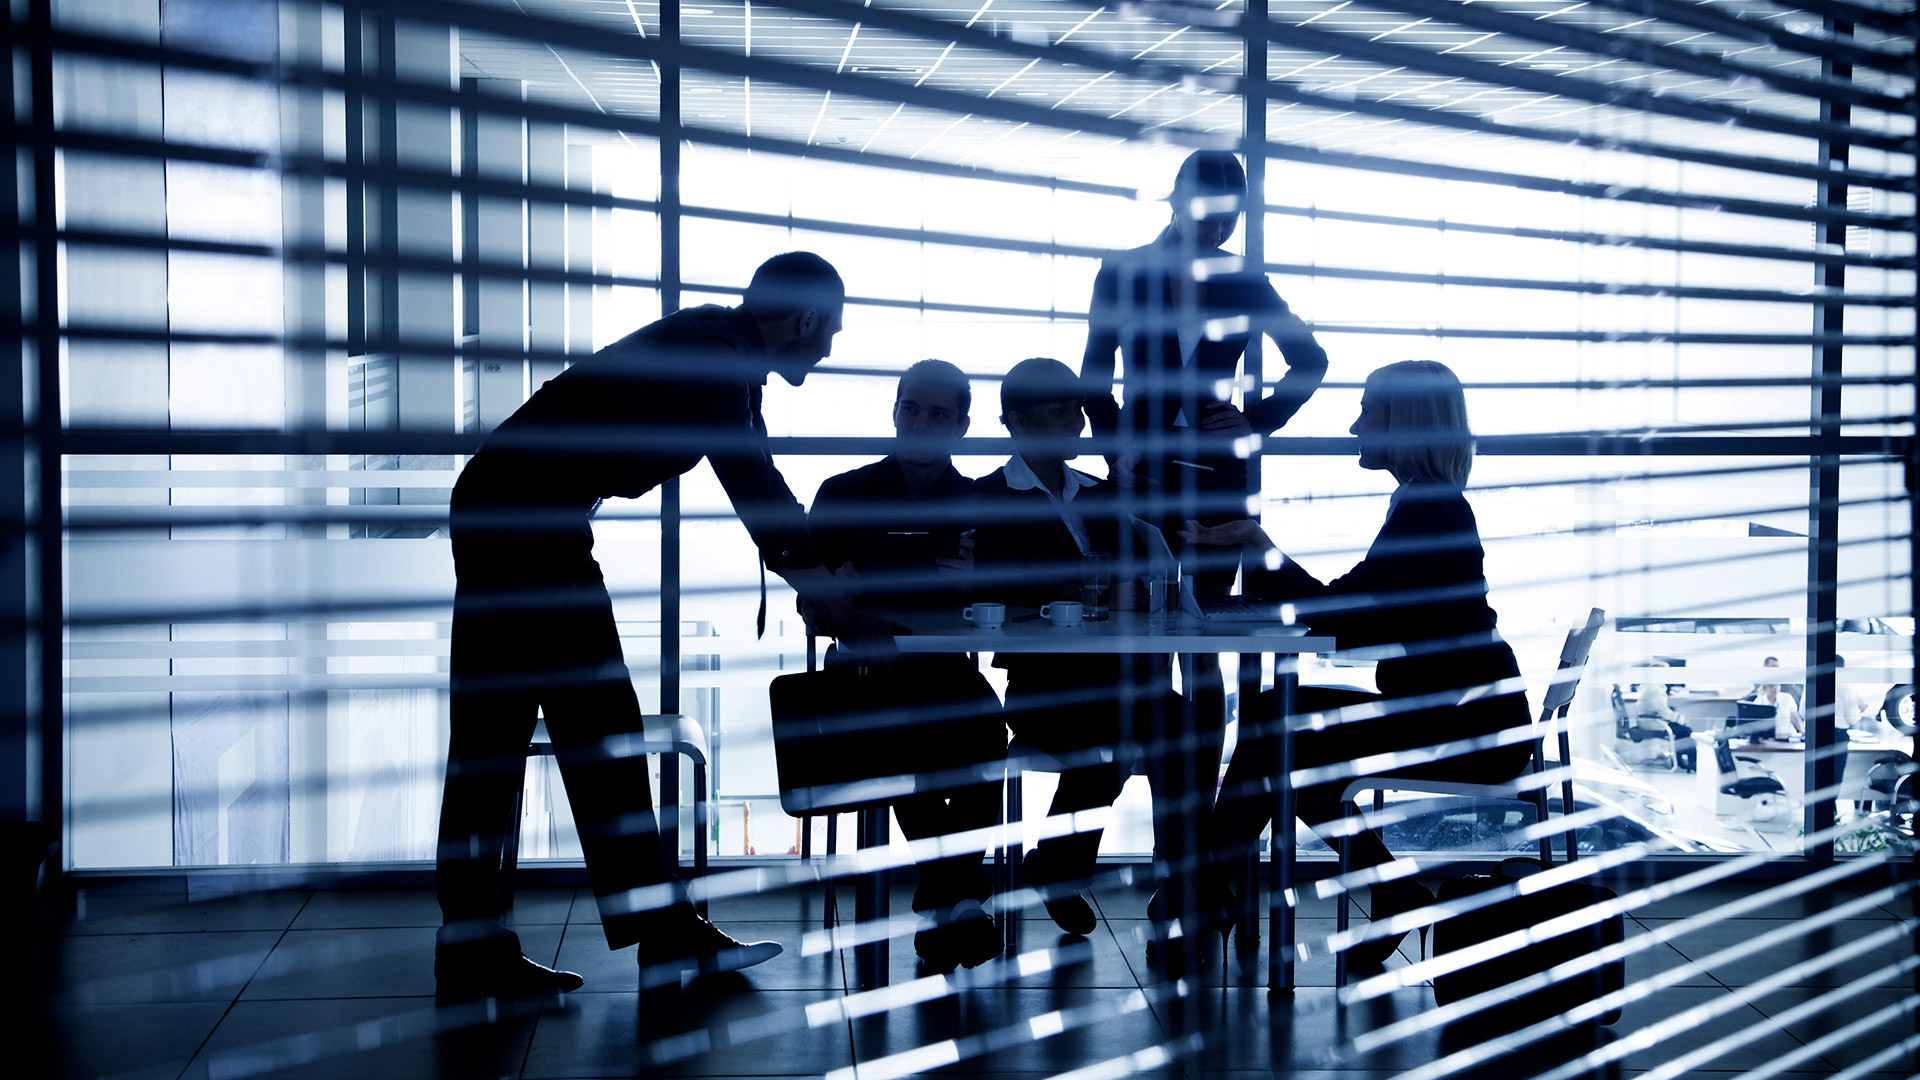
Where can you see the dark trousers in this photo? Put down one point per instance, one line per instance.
(533, 633)
(968, 751)
(1095, 713)
(1245, 806)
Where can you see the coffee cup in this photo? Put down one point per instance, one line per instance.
(1062, 612)
(985, 616)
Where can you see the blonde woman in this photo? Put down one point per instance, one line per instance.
(1422, 587)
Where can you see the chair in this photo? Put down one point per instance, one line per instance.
(668, 734)
(1555, 703)
(1897, 708)
(1650, 739)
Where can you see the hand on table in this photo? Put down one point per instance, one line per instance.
(1232, 533)
(861, 632)
(960, 565)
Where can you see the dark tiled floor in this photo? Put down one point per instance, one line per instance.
(339, 984)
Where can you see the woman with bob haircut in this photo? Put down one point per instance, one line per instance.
(1421, 587)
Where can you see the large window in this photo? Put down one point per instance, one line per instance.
(309, 253)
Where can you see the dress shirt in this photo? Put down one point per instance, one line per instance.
(1020, 477)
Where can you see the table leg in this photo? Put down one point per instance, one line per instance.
(1247, 874)
(1280, 909)
(871, 904)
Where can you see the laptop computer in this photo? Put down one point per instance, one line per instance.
(1214, 608)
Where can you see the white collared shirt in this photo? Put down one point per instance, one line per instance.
(1020, 478)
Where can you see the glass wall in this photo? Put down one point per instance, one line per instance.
(332, 248)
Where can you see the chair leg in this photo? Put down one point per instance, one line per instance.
(1566, 787)
(670, 809)
(510, 851)
(806, 840)
(1013, 843)
(702, 828)
(1249, 913)
(1546, 840)
(1348, 810)
(833, 886)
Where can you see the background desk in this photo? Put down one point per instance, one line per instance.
(1129, 633)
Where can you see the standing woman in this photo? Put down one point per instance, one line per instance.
(1179, 312)
(1422, 587)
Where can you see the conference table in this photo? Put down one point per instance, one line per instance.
(1133, 633)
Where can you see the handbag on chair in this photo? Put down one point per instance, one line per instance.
(855, 737)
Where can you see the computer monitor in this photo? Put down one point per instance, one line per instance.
(1751, 720)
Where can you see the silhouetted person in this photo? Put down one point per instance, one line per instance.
(533, 625)
(1421, 586)
(1037, 518)
(896, 533)
(1180, 311)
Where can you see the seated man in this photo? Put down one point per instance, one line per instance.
(893, 532)
(1786, 712)
(1036, 520)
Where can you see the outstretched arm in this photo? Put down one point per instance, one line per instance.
(767, 508)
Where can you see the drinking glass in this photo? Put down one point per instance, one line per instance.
(1096, 581)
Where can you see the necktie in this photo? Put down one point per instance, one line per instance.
(759, 425)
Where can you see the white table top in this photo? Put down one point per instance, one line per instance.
(1125, 632)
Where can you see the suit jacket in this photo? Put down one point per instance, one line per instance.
(642, 410)
(1025, 556)
(1423, 585)
(1135, 309)
(868, 519)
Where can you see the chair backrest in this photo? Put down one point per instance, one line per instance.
(1573, 663)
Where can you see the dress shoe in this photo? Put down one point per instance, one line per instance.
(697, 947)
(466, 972)
(1216, 910)
(964, 934)
(1387, 899)
(1067, 907)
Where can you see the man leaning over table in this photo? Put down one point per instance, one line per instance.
(895, 533)
(533, 624)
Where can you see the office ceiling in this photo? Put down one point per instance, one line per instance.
(764, 106)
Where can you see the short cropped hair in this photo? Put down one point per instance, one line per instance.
(1210, 174)
(941, 376)
(1038, 381)
(1428, 438)
(793, 282)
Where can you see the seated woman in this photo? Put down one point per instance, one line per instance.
(1421, 586)
(1653, 712)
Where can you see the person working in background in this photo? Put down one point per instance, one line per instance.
(1787, 722)
(1037, 519)
(1422, 589)
(1653, 711)
(533, 624)
(895, 532)
(1854, 710)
